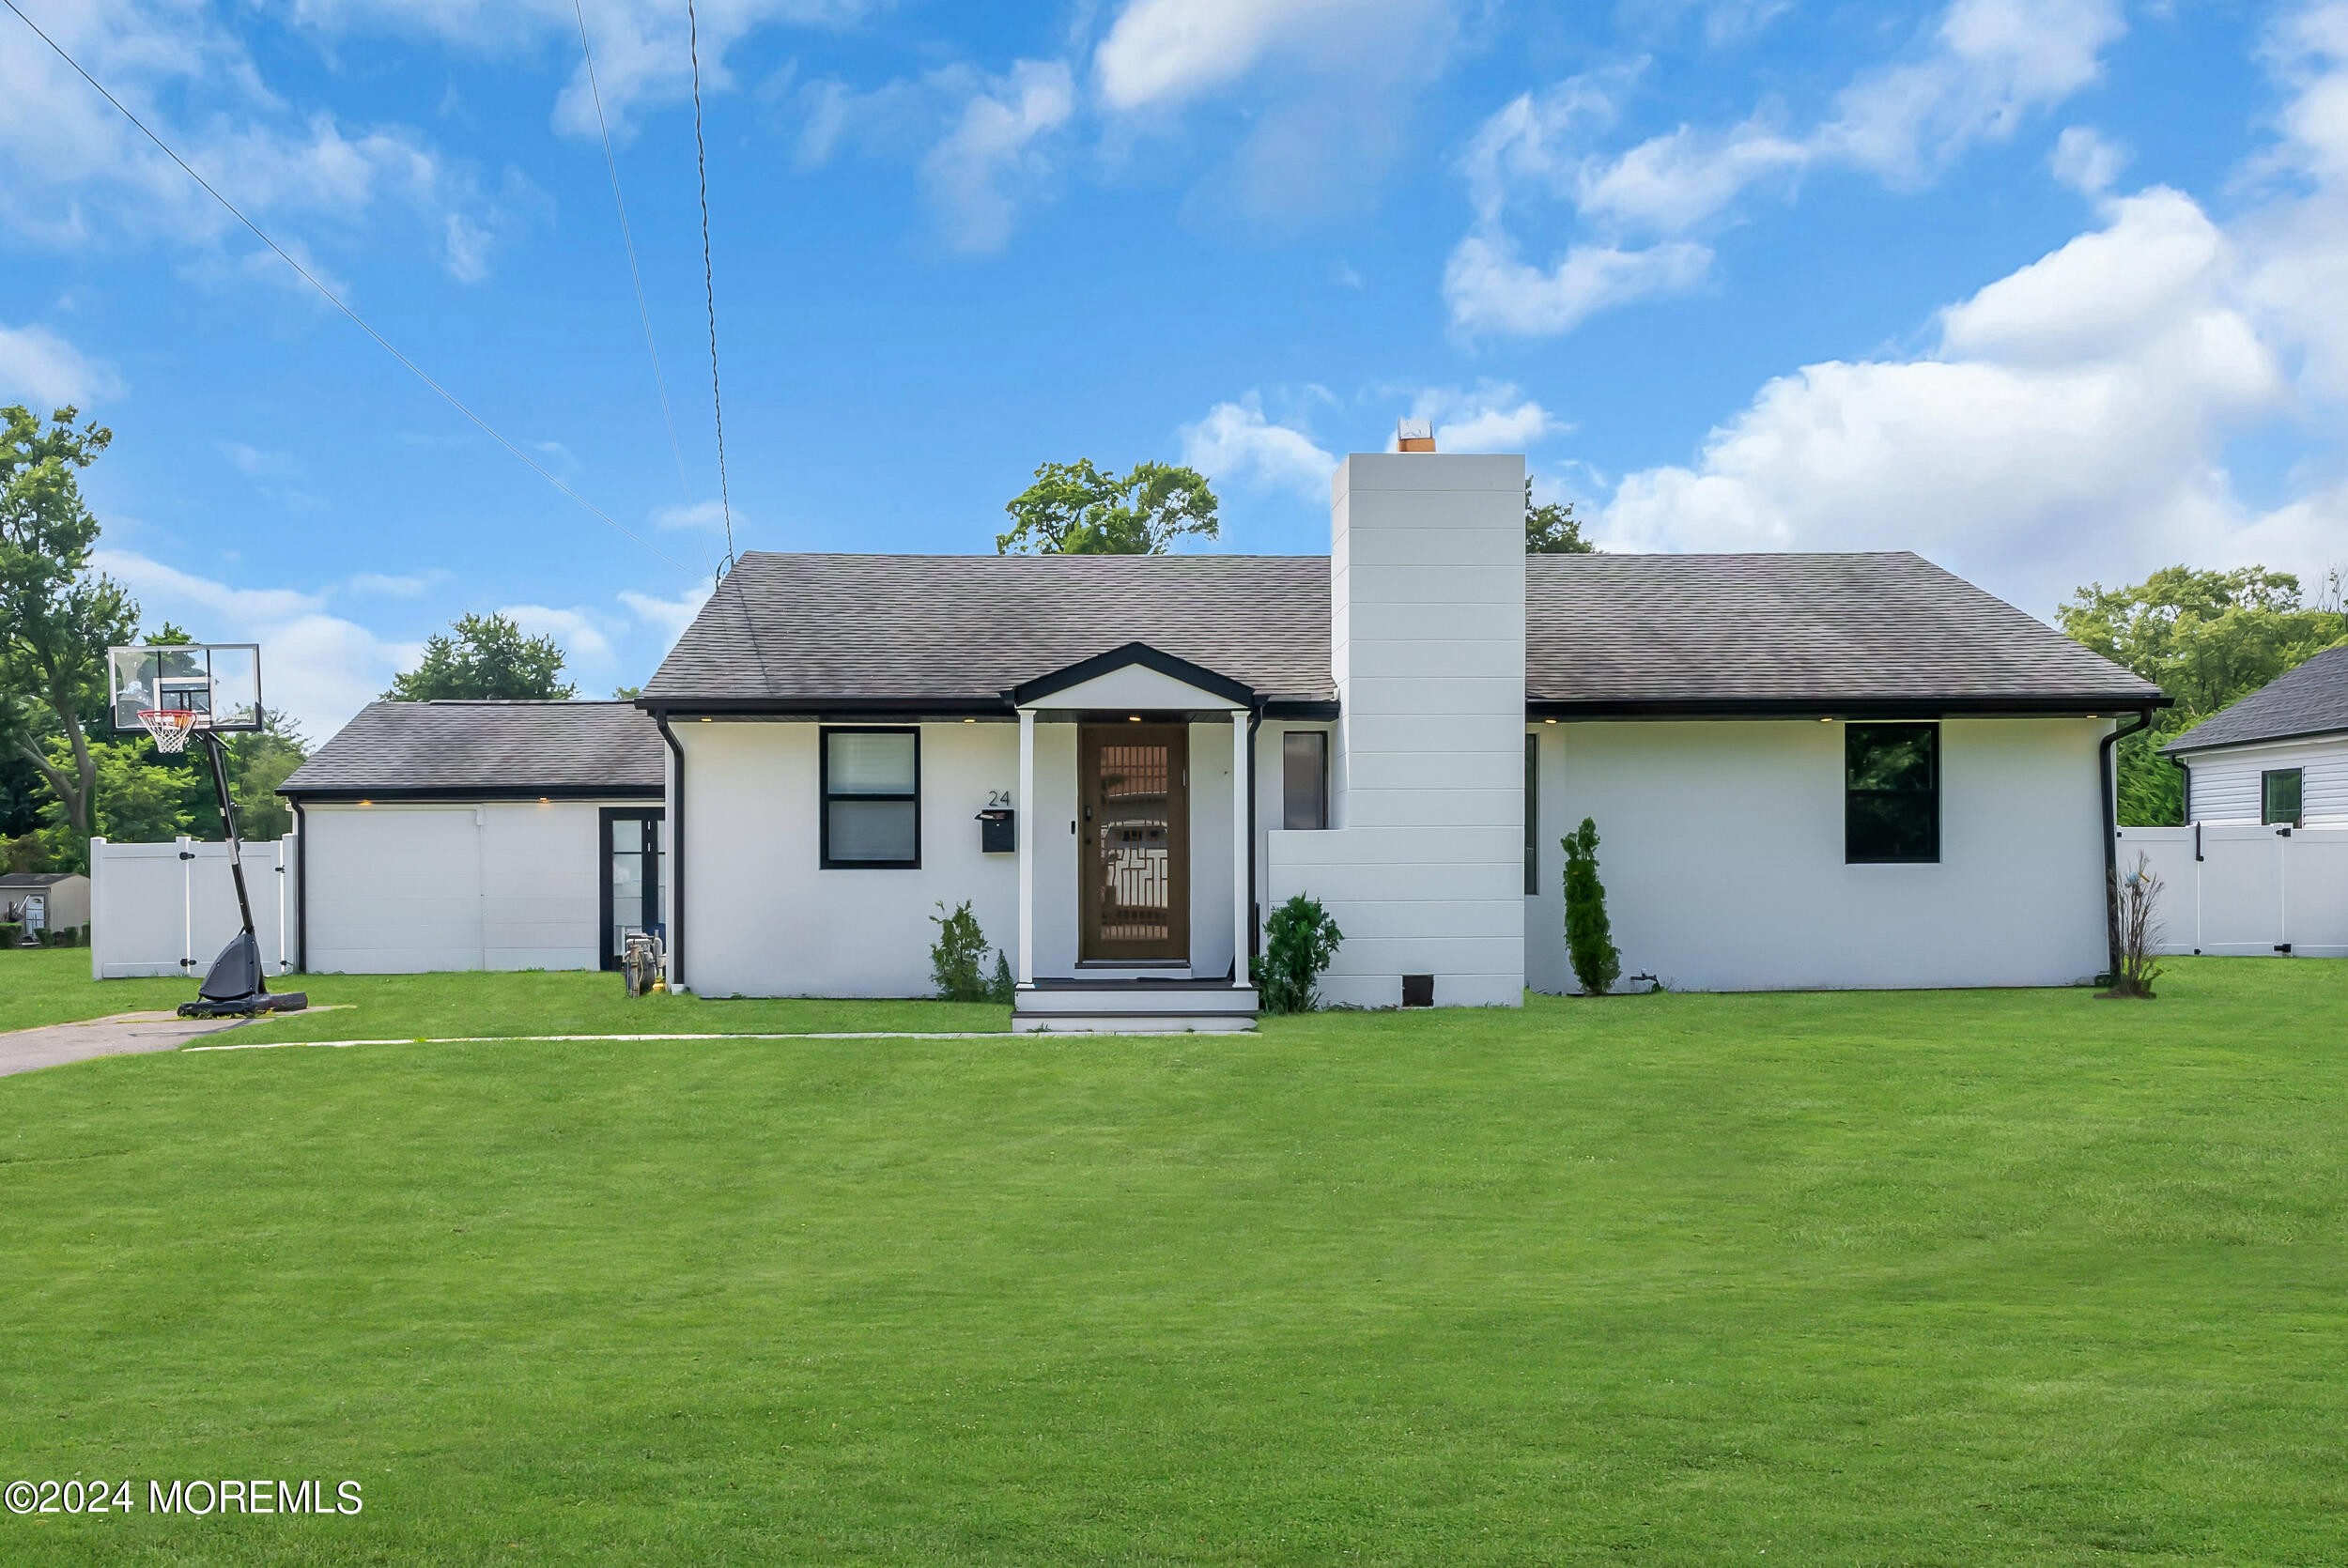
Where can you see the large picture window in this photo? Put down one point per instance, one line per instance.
(2279, 796)
(872, 782)
(1891, 793)
(1304, 779)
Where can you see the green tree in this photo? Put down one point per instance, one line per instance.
(57, 615)
(1552, 529)
(2207, 639)
(1589, 935)
(485, 656)
(1076, 509)
(135, 801)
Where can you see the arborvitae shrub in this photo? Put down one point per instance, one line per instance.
(1589, 939)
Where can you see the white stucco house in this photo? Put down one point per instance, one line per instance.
(2279, 757)
(444, 836)
(1847, 769)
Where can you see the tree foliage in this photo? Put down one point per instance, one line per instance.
(1553, 528)
(1076, 509)
(485, 656)
(1589, 935)
(957, 954)
(57, 615)
(2207, 639)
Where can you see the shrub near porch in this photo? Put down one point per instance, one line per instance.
(2009, 1277)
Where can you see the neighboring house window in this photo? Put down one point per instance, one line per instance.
(1304, 778)
(1891, 792)
(2279, 796)
(1532, 813)
(871, 781)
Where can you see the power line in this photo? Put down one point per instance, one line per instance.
(331, 298)
(709, 276)
(643, 309)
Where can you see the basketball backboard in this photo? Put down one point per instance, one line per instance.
(218, 682)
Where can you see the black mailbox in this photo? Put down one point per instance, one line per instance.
(996, 835)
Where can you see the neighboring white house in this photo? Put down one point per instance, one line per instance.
(1805, 770)
(444, 836)
(2279, 756)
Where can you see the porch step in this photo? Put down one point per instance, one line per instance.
(1133, 1007)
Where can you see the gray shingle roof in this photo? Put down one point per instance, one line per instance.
(1883, 627)
(961, 626)
(2311, 699)
(510, 748)
(1601, 628)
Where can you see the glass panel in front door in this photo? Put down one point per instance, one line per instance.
(1131, 823)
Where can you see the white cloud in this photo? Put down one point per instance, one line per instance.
(668, 617)
(74, 172)
(1490, 290)
(1985, 67)
(1235, 443)
(1334, 82)
(253, 463)
(2086, 161)
(710, 515)
(151, 581)
(39, 367)
(580, 631)
(2071, 424)
(1492, 417)
(1161, 53)
(996, 139)
(397, 587)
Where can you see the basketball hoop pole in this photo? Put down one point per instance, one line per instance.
(229, 824)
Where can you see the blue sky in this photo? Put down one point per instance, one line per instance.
(2049, 290)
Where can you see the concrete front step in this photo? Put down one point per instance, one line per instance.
(1134, 1008)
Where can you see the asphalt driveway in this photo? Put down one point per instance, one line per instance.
(123, 1035)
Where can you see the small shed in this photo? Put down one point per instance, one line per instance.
(440, 836)
(2279, 757)
(47, 901)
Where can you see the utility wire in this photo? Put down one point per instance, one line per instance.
(627, 234)
(709, 276)
(331, 298)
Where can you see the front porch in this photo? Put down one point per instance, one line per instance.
(1149, 763)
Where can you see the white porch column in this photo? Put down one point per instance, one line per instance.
(1027, 829)
(1243, 896)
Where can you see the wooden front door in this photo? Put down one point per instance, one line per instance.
(1132, 835)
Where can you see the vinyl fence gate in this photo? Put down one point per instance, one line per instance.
(2244, 889)
(169, 909)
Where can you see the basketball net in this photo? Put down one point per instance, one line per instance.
(169, 726)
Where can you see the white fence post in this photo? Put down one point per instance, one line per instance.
(96, 904)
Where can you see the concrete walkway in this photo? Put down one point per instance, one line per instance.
(123, 1035)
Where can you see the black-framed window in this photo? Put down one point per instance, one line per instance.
(1891, 793)
(1304, 778)
(872, 799)
(1532, 813)
(2280, 796)
(631, 877)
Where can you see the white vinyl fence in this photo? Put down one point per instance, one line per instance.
(2237, 888)
(169, 909)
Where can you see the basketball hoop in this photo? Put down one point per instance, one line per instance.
(169, 726)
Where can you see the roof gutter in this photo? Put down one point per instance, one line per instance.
(2111, 832)
(677, 857)
(1851, 708)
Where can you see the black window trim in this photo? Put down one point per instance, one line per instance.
(2297, 818)
(1933, 796)
(605, 816)
(1532, 813)
(824, 796)
(1323, 736)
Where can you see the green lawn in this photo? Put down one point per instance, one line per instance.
(1971, 1277)
(53, 986)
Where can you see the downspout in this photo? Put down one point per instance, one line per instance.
(2185, 790)
(2111, 834)
(677, 857)
(1255, 911)
(301, 887)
